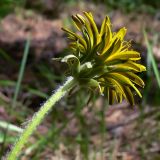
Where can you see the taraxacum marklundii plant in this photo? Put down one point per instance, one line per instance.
(100, 60)
(103, 59)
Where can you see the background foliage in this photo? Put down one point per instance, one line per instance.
(74, 129)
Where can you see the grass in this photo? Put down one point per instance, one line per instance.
(21, 72)
(151, 59)
(8, 127)
(54, 136)
(58, 121)
(152, 72)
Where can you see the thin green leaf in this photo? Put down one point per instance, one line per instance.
(21, 72)
(150, 52)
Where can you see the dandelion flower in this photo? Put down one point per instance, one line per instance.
(102, 59)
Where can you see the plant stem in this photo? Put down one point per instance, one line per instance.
(39, 116)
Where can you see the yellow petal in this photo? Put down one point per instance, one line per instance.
(130, 55)
(77, 46)
(111, 96)
(141, 67)
(108, 39)
(124, 80)
(129, 95)
(77, 23)
(110, 50)
(121, 33)
(87, 26)
(134, 78)
(93, 26)
(125, 91)
(72, 34)
(117, 46)
(104, 24)
(128, 66)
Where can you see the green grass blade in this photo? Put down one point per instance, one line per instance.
(21, 72)
(11, 127)
(8, 83)
(9, 139)
(17, 89)
(37, 93)
(150, 52)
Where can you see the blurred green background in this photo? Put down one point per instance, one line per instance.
(30, 36)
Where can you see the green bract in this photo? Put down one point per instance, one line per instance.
(103, 60)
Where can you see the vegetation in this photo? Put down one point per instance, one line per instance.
(82, 125)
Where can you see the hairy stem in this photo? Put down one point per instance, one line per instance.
(39, 116)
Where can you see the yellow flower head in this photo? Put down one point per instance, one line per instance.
(102, 59)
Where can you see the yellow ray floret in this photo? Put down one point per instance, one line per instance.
(105, 60)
